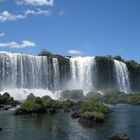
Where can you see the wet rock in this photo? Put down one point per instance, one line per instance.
(52, 111)
(20, 111)
(1, 129)
(14, 103)
(72, 94)
(75, 115)
(1, 106)
(119, 137)
(7, 108)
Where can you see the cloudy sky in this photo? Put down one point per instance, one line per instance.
(71, 27)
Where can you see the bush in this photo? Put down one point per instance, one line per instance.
(94, 114)
(31, 96)
(113, 96)
(44, 52)
(5, 98)
(91, 106)
(67, 103)
(31, 106)
(36, 105)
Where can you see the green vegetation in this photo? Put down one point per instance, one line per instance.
(92, 105)
(109, 57)
(44, 52)
(93, 110)
(5, 98)
(40, 105)
(90, 109)
(114, 96)
(32, 104)
(93, 115)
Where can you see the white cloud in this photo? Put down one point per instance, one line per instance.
(13, 44)
(37, 12)
(6, 16)
(36, 2)
(74, 52)
(61, 13)
(2, 34)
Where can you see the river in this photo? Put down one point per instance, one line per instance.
(124, 119)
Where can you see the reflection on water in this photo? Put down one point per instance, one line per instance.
(124, 119)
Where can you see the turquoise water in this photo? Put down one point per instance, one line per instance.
(124, 119)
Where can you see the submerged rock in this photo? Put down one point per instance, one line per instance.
(1, 129)
(75, 115)
(119, 137)
(20, 111)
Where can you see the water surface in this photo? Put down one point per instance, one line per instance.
(124, 119)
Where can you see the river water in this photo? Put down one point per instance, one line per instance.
(124, 119)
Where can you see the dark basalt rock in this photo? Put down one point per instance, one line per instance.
(119, 137)
(72, 94)
(75, 115)
(1, 129)
(20, 111)
(1, 106)
(51, 111)
(7, 108)
(94, 119)
(14, 103)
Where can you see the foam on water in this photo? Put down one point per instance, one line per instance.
(21, 94)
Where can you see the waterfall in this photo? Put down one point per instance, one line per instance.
(56, 75)
(122, 76)
(47, 75)
(28, 72)
(83, 73)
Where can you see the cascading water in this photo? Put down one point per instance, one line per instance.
(22, 74)
(20, 71)
(83, 73)
(122, 76)
(56, 76)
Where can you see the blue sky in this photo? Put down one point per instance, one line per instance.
(71, 27)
